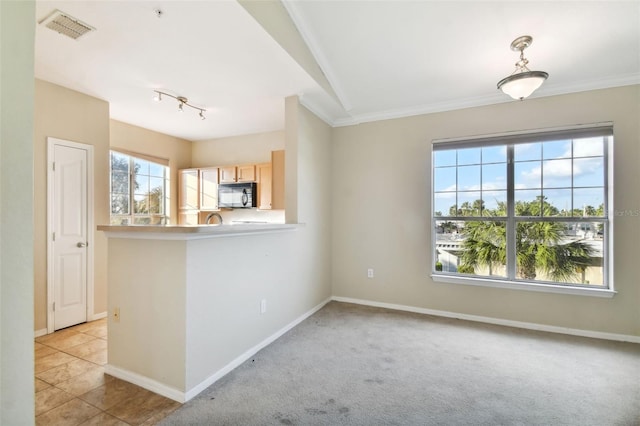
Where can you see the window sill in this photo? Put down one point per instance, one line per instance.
(546, 288)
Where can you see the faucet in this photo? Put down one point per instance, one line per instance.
(212, 215)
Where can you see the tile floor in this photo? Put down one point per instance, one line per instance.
(72, 388)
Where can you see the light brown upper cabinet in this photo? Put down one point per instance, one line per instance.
(189, 189)
(209, 189)
(264, 180)
(231, 174)
(246, 173)
(228, 174)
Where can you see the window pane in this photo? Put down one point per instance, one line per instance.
(156, 170)
(555, 251)
(528, 202)
(483, 249)
(448, 246)
(494, 176)
(141, 184)
(444, 179)
(494, 154)
(556, 174)
(444, 158)
(141, 204)
(119, 162)
(469, 156)
(556, 149)
(556, 202)
(527, 151)
(156, 195)
(588, 171)
(120, 182)
(469, 203)
(140, 166)
(156, 184)
(120, 204)
(588, 202)
(468, 178)
(444, 204)
(495, 203)
(528, 175)
(588, 147)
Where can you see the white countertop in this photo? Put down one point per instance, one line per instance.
(189, 232)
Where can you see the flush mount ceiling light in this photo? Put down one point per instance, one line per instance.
(182, 102)
(522, 82)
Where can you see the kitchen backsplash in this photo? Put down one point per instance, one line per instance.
(247, 215)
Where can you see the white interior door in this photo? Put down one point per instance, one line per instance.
(69, 233)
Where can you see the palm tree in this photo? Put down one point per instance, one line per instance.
(539, 248)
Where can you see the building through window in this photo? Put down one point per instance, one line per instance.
(139, 190)
(525, 208)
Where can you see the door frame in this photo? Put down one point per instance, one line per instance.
(51, 143)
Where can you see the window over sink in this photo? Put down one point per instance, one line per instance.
(139, 190)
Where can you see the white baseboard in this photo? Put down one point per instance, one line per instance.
(98, 316)
(250, 352)
(145, 382)
(496, 321)
(182, 397)
(41, 332)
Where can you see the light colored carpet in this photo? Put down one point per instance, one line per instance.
(357, 365)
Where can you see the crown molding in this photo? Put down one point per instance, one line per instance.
(318, 54)
(497, 98)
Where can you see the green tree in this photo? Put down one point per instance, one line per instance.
(539, 247)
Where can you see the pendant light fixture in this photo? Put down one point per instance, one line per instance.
(522, 82)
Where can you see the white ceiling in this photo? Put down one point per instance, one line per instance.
(383, 59)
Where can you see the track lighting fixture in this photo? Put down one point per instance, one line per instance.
(182, 101)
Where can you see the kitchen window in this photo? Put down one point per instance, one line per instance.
(525, 211)
(139, 190)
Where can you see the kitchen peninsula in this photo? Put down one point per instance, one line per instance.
(189, 303)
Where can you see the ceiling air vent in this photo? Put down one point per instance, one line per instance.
(67, 25)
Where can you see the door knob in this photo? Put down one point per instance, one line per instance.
(81, 244)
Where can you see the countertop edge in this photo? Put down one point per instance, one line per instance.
(192, 232)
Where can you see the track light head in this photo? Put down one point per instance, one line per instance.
(202, 117)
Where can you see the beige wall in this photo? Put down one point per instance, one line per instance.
(313, 198)
(254, 148)
(66, 114)
(381, 211)
(144, 141)
(17, 26)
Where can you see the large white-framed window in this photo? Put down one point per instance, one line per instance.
(139, 190)
(528, 211)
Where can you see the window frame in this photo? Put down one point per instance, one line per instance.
(510, 140)
(131, 218)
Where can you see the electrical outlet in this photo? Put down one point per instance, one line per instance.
(370, 273)
(263, 306)
(116, 314)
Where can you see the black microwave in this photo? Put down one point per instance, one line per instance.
(237, 195)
